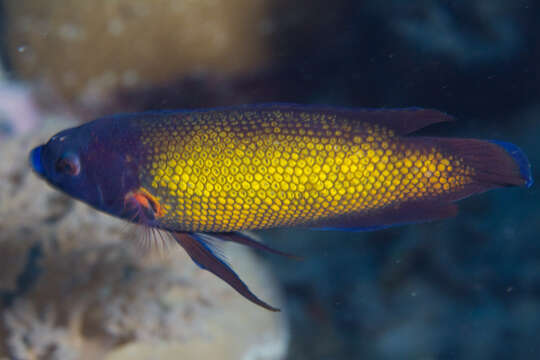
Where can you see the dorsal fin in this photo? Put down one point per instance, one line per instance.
(402, 120)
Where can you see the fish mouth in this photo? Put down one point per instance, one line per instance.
(36, 160)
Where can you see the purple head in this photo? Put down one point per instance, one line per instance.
(90, 164)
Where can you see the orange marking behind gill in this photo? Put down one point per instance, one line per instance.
(144, 199)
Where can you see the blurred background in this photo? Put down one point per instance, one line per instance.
(464, 288)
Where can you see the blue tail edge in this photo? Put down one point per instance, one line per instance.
(521, 159)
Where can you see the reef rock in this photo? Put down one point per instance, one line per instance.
(88, 50)
(74, 284)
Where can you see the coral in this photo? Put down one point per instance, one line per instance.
(35, 336)
(87, 51)
(18, 110)
(73, 284)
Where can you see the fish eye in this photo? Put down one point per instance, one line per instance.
(68, 164)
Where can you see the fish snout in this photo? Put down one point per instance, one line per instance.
(36, 160)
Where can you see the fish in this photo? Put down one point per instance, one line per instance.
(216, 175)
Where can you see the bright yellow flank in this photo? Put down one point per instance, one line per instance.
(239, 170)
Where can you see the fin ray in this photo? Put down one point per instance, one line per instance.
(248, 239)
(520, 158)
(201, 253)
(496, 164)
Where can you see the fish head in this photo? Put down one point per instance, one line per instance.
(85, 163)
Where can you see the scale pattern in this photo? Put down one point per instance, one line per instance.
(237, 170)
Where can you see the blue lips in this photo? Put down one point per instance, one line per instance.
(35, 160)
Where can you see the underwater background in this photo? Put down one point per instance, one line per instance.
(73, 282)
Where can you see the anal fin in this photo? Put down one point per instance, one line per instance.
(248, 239)
(203, 255)
(406, 213)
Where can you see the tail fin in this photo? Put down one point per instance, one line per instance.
(520, 159)
(495, 163)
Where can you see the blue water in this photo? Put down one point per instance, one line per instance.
(463, 288)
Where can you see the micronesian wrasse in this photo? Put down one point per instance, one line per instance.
(208, 175)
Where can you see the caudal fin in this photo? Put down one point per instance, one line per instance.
(495, 164)
(520, 159)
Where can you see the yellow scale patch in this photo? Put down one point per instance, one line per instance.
(236, 171)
